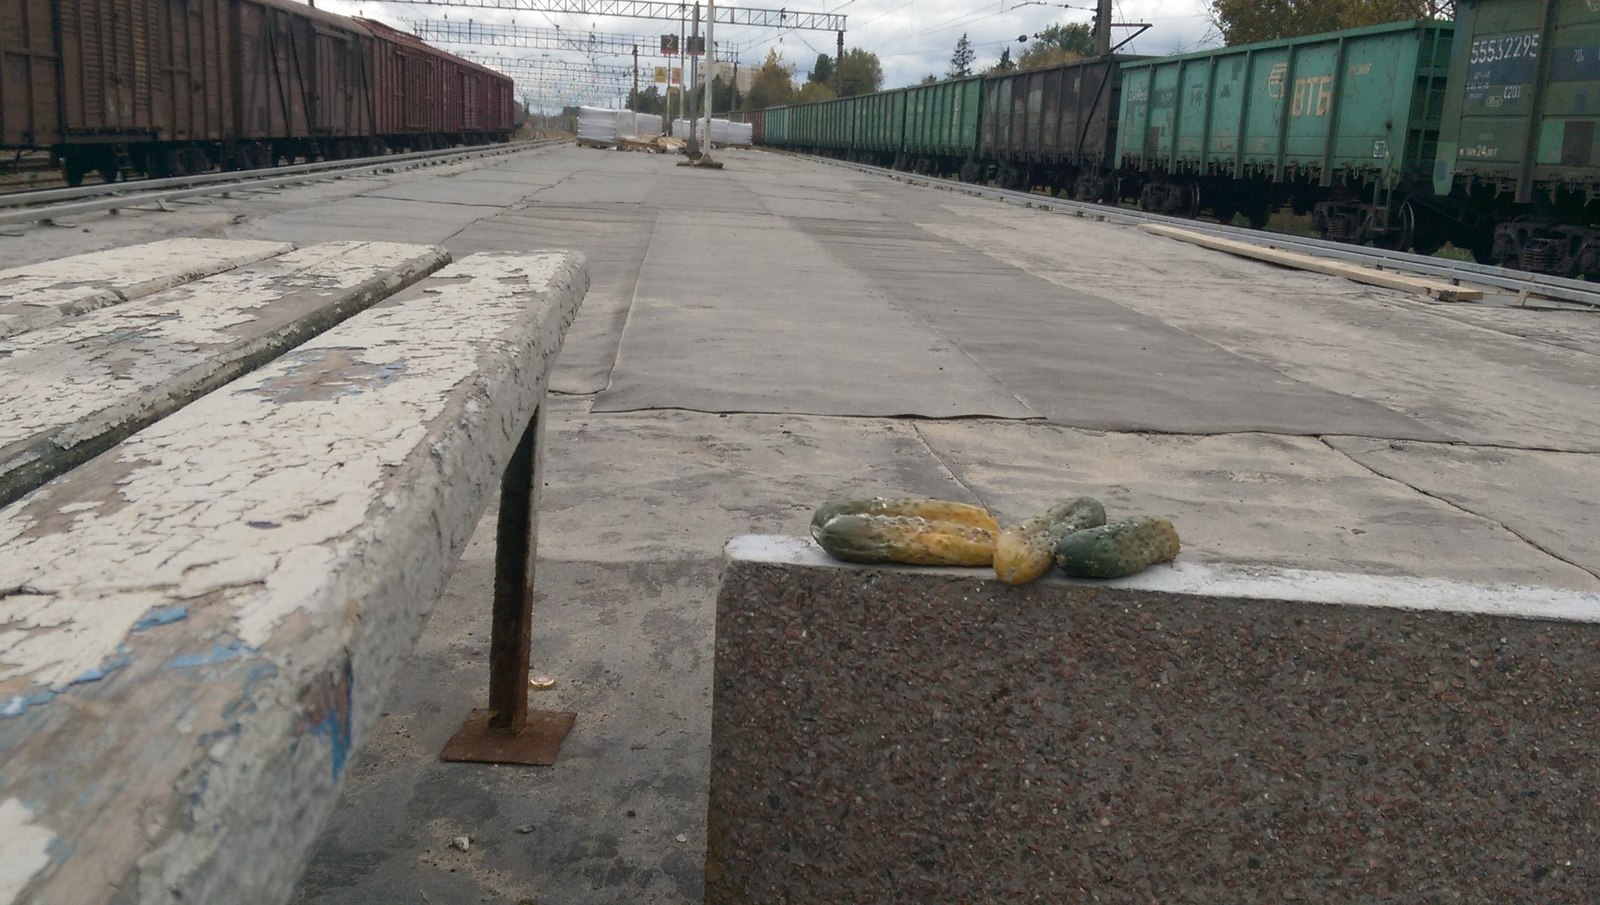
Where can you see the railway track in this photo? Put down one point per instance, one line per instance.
(1517, 282)
(49, 204)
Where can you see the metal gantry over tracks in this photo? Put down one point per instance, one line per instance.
(657, 9)
(497, 35)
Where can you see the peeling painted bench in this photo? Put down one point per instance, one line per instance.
(37, 295)
(1195, 733)
(199, 624)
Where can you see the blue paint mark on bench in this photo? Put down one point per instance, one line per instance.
(222, 653)
(165, 615)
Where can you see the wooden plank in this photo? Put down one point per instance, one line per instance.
(1446, 292)
(199, 626)
(37, 295)
(72, 390)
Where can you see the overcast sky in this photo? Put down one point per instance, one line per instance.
(913, 39)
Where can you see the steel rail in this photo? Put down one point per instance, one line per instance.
(1517, 281)
(29, 207)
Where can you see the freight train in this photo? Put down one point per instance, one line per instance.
(172, 87)
(1479, 132)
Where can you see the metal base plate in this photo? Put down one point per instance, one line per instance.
(536, 745)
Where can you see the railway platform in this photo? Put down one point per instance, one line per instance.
(759, 339)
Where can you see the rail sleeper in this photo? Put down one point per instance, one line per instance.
(198, 626)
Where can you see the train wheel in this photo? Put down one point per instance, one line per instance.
(1259, 214)
(73, 169)
(1402, 234)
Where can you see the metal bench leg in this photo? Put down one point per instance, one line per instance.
(507, 732)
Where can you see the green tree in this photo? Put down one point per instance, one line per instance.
(822, 72)
(1248, 21)
(1006, 64)
(811, 92)
(961, 60)
(863, 73)
(930, 79)
(773, 84)
(1059, 44)
(650, 100)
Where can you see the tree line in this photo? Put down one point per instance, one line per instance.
(1236, 21)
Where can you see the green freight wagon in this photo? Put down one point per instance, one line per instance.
(1518, 146)
(777, 130)
(833, 129)
(880, 121)
(1055, 126)
(941, 131)
(1346, 121)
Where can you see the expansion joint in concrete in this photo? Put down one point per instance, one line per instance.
(1460, 508)
(917, 432)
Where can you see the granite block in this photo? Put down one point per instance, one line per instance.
(1193, 734)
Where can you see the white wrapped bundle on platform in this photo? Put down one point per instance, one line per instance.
(680, 129)
(741, 134)
(647, 127)
(597, 125)
(719, 131)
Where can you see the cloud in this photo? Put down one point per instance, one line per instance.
(912, 39)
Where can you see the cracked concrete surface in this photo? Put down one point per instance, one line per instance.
(749, 335)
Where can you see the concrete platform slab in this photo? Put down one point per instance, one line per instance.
(1256, 498)
(755, 344)
(1550, 499)
(1457, 369)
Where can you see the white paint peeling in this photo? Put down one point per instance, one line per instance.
(72, 380)
(24, 849)
(1259, 583)
(260, 489)
(36, 295)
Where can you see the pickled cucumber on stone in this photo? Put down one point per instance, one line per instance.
(1023, 551)
(1118, 549)
(905, 539)
(919, 507)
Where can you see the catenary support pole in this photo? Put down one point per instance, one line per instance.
(710, 68)
(838, 67)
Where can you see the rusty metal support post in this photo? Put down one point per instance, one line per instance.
(507, 732)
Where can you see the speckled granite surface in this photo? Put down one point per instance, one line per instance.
(914, 735)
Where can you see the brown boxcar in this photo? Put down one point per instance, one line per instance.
(302, 86)
(1055, 126)
(425, 98)
(135, 72)
(29, 116)
(174, 86)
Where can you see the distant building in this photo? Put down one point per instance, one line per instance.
(725, 70)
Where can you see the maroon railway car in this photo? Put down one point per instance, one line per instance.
(425, 98)
(168, 87)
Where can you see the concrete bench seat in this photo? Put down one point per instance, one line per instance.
(198, 626)
(1195, 733)
(38, 295)
(73, 389)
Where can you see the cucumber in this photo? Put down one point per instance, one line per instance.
(1118, 549)
(1023, 551)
